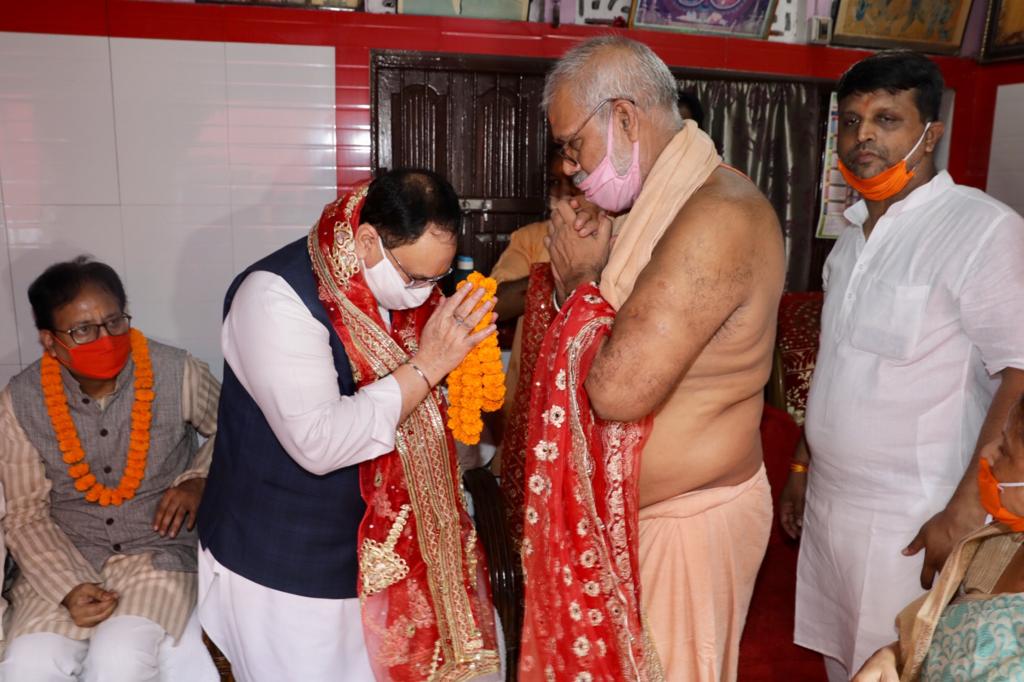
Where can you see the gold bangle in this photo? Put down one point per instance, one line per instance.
(420, 372)
(798, 468)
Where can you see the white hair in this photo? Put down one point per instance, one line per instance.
(632, 72)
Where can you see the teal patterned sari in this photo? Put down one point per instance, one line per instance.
(978, 639)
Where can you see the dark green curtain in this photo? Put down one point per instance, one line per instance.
(773, 131)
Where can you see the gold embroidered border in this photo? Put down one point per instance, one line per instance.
(426, 461)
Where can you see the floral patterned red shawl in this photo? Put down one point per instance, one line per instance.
(422, 577)
(582, 621)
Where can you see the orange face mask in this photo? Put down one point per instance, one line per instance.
(886, 184)
(991, 497)
(103, 358)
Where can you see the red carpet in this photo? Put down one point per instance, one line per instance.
(767, 651)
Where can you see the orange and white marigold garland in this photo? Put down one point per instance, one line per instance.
(67, 435)
(478, 383)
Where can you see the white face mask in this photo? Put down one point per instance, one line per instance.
(388, 287)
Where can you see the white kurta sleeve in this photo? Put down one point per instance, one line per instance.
(992, 296)
(282, 356)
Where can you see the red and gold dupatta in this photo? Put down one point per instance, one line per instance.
(582, 621)
(422, 576)
(537, 317)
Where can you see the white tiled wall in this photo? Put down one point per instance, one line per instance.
(178, 163)
(1005, 175)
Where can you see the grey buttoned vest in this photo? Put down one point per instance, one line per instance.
(100, 532)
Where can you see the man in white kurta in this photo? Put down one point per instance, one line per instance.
(923, 323)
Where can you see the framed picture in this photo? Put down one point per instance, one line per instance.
(599, 11)
(478, 9)
(927, 25)
(739, 18)
(1004, 31)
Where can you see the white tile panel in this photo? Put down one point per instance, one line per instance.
(282, 124)
(39, 236)
(261, 230)
(6, 372)
(9, 354)
(216, 155)
(56, 121)
(170, 108)
(178, 266)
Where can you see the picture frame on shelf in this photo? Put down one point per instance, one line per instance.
(736, 18)
(935, 26)
(601, 12)
(479, 9)
(1004, 31)
(347, 5)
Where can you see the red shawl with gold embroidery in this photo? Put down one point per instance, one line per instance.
(582, 620)
(537, 317)
(422, 577)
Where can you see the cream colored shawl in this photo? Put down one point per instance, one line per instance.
(681, 169)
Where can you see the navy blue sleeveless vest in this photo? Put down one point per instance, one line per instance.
(263, 516)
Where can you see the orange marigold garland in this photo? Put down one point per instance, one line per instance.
(67, 435)
(478, 383)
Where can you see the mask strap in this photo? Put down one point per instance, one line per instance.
(919, 141)
(1002, 486)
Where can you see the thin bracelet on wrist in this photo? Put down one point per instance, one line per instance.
(798, 468)
(430, 387)
(554, 301)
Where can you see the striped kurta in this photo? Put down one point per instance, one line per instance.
(51, 565)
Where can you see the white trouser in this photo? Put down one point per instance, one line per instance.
(121, 649)
(271, 636)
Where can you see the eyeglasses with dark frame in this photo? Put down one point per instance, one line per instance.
(116, 325)
(562, 150)
(417, 282)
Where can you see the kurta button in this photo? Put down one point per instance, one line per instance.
(85, 400)
(104, 432)
(107, 470)
(110, 522)
(117, 548)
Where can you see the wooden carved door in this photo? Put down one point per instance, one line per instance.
(478, 122)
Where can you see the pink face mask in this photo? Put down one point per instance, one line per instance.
(605, 187)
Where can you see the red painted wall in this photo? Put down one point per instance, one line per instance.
(354, 35)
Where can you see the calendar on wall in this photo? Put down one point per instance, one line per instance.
(836, 195)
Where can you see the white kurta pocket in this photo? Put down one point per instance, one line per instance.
(887, 318)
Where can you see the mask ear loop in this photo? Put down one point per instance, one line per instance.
(1003, 486)
(918, 144)
(635, 152)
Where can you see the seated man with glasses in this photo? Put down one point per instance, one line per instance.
(103, 472)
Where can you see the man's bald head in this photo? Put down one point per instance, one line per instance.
(612, 67)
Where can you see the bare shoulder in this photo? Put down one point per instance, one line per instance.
(727, 222)
(729, 202)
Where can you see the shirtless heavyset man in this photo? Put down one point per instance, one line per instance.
(696, 271)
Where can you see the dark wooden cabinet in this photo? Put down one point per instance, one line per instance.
(476, 120)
